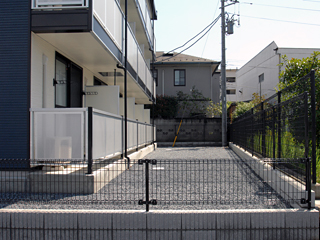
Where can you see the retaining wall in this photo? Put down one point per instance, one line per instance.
(191, 130)
(219, 224)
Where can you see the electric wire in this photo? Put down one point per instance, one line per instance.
(211, 25)
(266, 5)
(278, 20)
(190, 39)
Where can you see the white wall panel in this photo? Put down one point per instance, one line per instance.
(105, 98)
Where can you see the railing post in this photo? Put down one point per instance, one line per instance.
(279, 124)
(313, 126)
(122, 137)
(137, 135)
(90, 135)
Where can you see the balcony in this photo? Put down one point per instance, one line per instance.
(91, 33)
(78, 133)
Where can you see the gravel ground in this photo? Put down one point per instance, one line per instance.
(188, 178)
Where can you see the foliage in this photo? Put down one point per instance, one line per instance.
(215, 109)
(241, 108)
(165, 107)
(192, 104)
(296, 69)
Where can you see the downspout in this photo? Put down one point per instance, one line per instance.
(125, 84)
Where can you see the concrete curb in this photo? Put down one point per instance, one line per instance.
(287, 187)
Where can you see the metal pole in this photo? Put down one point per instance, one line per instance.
(147, 184)
(125, 84)
(223, 76)
(313, 126)
(90, 126)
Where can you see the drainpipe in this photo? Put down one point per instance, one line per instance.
(125, 84)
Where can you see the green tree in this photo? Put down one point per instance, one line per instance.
(165, 107)
(215, 109)
(294, 70)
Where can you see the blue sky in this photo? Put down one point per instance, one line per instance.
(180, 20)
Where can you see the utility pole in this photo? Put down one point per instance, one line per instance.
(223, 66)
(223, 75)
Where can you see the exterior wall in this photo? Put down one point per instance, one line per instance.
(191, 130)
(14, 78)
(43, 53)
(197, 75)
(266, 62)
(247, 77)
(231, 85)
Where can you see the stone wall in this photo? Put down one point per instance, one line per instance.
(191, 130)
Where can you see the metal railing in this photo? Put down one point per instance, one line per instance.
(160, 184)
(45, 4)
(82, 133)
(283, 126)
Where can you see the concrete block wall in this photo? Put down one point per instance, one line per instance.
(207, 224)
(191, 130)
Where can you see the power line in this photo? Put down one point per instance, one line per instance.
(266, 5)
(278, 20)
(190, 39)
(210, 27)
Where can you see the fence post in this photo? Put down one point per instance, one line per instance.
(90, 129)
(307, 162)
(263, 130)
(252, 132)
(313, 126)
(279, 124)
(273, 135)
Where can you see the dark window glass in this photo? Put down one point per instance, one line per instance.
(231, 91)
(179, 77)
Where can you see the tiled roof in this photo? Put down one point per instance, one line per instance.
(181, 58)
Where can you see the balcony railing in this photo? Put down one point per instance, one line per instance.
(64, 134)
(138, 63)
(110, 16)
(42, 4)
(146, 18)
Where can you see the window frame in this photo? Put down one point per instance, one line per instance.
(174, 77)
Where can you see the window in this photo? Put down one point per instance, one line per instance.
(68, 83)
(261, 78)
(231, 91)
(155, 75)
(231, 79)
(179, 77)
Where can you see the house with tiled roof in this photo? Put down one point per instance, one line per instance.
(180, 72)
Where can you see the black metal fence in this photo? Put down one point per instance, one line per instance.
(282, 126)
(157, 184)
